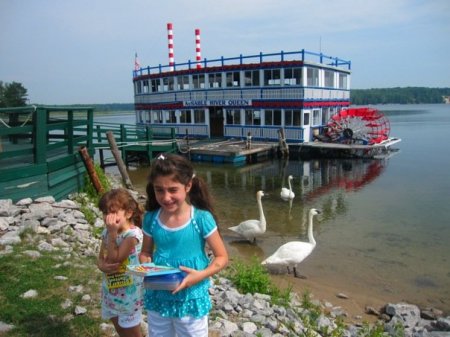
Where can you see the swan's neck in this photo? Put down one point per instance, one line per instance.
(289, 183)
(262, 219)
(310, 230)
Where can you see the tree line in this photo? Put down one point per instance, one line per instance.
(15, 95)
(408, 95)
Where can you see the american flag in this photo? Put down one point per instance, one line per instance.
(137, 64)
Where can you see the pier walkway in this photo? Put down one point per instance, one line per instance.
(39, 148)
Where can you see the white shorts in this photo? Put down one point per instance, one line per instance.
(159, 326)
(124, 320)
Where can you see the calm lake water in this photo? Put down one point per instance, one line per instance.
(385, 228)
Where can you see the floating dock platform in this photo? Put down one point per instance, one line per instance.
(231, 151)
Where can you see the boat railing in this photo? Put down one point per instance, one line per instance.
(282, 56)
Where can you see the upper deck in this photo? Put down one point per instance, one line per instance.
(238, 81)
(241, 62)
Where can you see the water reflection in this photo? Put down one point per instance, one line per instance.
(322, 184)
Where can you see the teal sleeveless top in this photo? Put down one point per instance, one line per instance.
(182, 246)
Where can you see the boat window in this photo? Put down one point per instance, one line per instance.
(138, 87)
(198, 81)
(199, 116)
(146, 86)
(325, 115)
(251, 78)
(329, 79)
(312, 77)
(252, 117)
(272, 117)
(183, 82)
(169, 83)
(215, 80)
(342, 81)
(171, 116)
(157, 116)
(155, 83)
(165, 81)
(232, 79)
(292, 117)
(292, 76)
(316, 117)
(272, 77)
(305, 118)
(185, 116)
(233, 116)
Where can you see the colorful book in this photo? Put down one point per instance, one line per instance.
(150, 269)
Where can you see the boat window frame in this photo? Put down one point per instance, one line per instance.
(233, 116)
(294, 117)
(288, 78)
(312, 80)
(253, 76)
(342, 80)
(272, 116)
(252, 117)
(275, 81)
(232, 79)
(198, 81)
(185, 116)
(182, 84)
(328, 78)
(199, 116)
(215, 78)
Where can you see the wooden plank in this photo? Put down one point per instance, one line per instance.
(32, 187)
(67, 173)
(15, 173)
(63, 189)
(67, 160)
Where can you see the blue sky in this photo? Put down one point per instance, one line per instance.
(82, 51)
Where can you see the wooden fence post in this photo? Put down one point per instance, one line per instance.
(91, 170)
(120, 164)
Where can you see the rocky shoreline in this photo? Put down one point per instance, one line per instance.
(62, 226)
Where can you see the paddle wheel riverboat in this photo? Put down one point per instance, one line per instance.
(294, 95)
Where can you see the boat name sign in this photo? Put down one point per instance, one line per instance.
(218, 102)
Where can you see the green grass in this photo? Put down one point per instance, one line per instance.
(43, 315)
(252, 277)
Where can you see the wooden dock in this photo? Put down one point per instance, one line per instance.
(39, 148)
(230, 151)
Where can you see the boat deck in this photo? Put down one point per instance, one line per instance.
(318, 148)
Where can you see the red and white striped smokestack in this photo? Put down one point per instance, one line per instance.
(170, 41)
(198, 52)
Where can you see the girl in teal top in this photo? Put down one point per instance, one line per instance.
(177, 226)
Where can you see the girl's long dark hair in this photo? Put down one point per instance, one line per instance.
(183, 171)
(120, 198)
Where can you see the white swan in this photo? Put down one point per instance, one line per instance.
(292, 253)
(250, 229)
(287, 194)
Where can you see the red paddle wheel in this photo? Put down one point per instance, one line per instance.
(358, 126)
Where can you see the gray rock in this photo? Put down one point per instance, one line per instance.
(24, 202)
(79, 310)
(249, 327)
(4, 327)
(47, 199)
(30, 294)
(10, 238)
(45, 246)
(34, 254)
(5, 222)
(66, 304)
